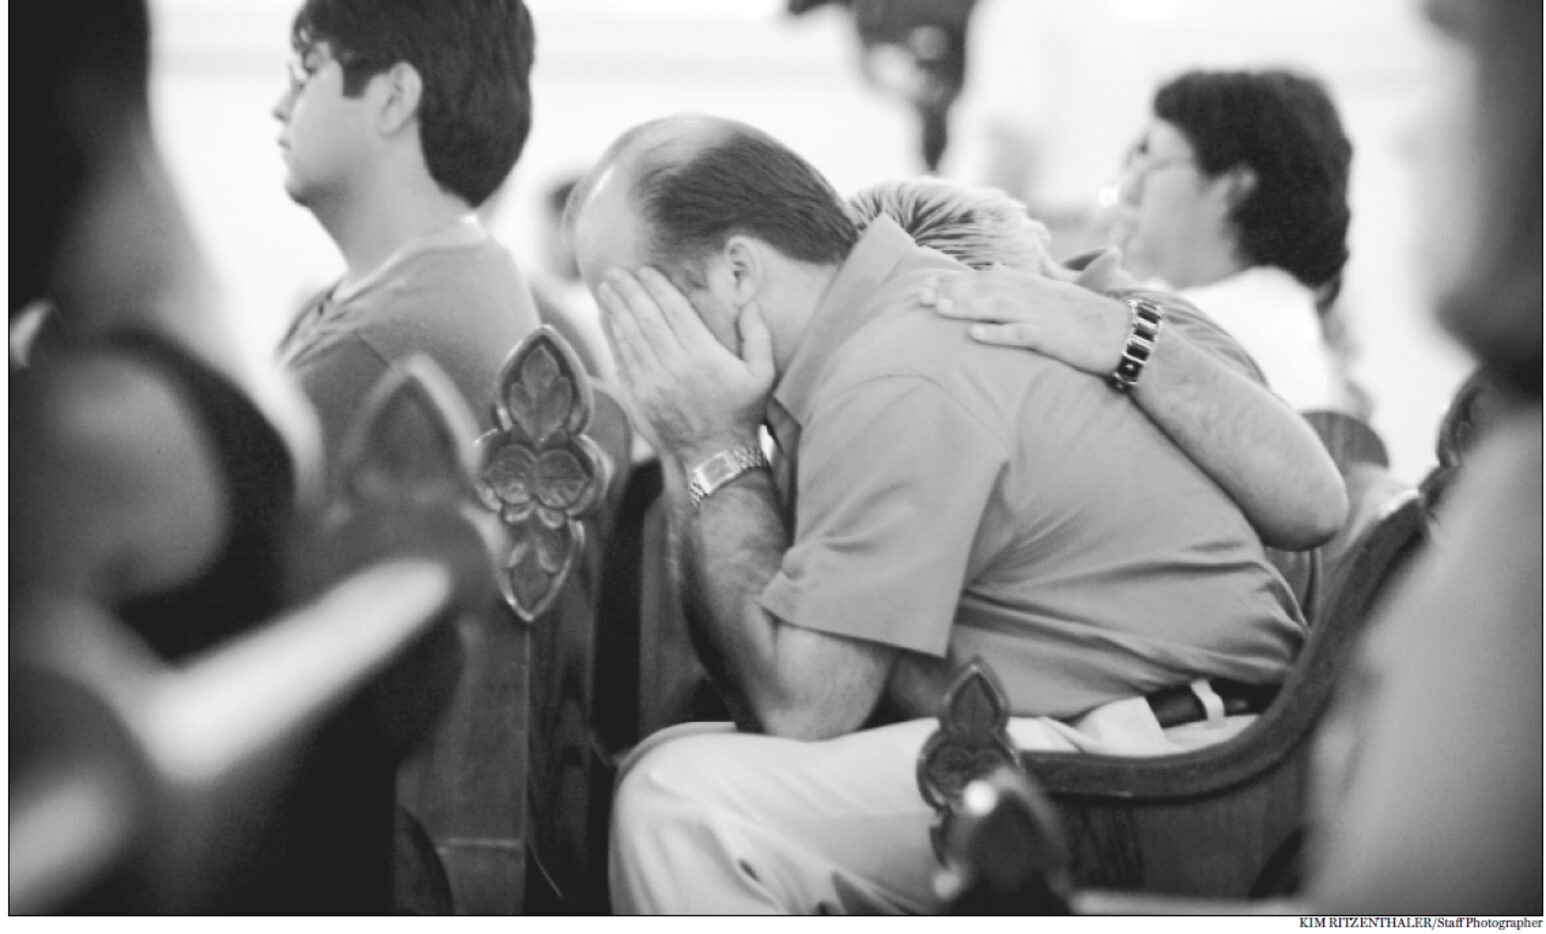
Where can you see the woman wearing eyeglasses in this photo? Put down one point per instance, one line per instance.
(1236, 196)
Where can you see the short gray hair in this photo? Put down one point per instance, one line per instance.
(980, 227)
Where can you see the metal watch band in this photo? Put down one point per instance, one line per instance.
(719, 469)
(1147, 318)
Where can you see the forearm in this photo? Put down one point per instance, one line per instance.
(777, 678)
(698, 399)
(1258, 450)
(725, 554)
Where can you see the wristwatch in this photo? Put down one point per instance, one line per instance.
(1147, 318)
(721, 468)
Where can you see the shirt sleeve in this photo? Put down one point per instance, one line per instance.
(1206, 333)
(893, 478)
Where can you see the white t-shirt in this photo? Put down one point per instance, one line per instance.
(1273, 315)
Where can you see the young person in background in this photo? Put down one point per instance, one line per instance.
(400, 120)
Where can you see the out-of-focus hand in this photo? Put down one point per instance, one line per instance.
(690, 396)
(1049, 314)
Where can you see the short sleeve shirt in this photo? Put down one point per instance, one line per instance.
(954, 500)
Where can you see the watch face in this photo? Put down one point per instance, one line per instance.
(719, 469)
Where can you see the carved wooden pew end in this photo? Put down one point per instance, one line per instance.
(1005, 851)
(539, 471)
(1000, 839)
(972, 742)
(537, 476)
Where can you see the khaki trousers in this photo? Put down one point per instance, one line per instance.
(708, 820)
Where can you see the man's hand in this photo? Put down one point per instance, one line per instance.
(1044, 313)
(690, 395)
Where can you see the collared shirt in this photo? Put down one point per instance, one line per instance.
(955, 499)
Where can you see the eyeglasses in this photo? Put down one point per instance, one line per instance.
(1141, 164)
(301, 71)
(309, 60)
(305, 65)
(1136, 169)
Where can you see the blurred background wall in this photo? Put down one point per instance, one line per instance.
(603, 65)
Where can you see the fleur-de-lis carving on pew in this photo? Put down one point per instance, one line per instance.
(971, 743)
(538, 470)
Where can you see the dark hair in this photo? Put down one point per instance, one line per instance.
(743, 182)
(1284, 127)
(87, 67)
(474, 58)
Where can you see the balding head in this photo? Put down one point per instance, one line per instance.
(690, 182)
(732, 217)
(651, 144)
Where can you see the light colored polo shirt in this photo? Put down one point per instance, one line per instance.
(954, 499)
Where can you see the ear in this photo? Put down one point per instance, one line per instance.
(403, 88)
(745, 266)
(1239, 183)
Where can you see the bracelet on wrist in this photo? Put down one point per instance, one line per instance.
(1147, 317)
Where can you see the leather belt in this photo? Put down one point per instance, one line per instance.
(1179, 705)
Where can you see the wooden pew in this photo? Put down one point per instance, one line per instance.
(256, 778)
(508, 797)
(570, 775)
(1361, 458)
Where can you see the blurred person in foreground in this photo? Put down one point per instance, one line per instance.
(155, 470)
(158, 480)
(933, 499)
(400, 120)
(1428, 785)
